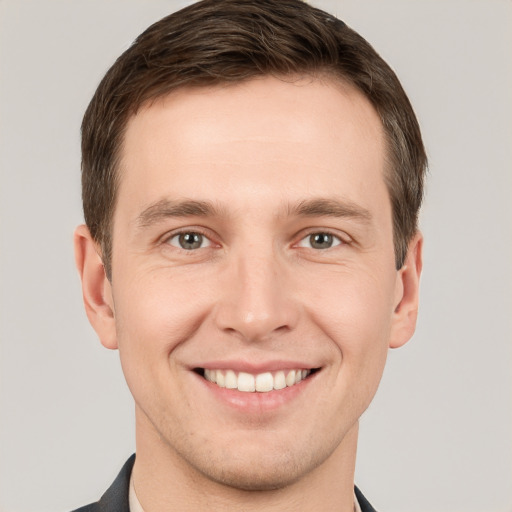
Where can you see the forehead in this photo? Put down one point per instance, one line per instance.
(261, 138)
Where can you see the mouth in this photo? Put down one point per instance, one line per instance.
(256, 383)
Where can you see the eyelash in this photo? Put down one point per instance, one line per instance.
(309, 235)
(198, 231)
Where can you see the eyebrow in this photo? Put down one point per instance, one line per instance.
(322, 207)
(316, 207)
(166, 208)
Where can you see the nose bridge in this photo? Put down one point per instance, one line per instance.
(257, 301)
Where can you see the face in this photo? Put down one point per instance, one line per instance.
(254, 293)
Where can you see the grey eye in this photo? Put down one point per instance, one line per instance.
(189, 241)
(320, 241)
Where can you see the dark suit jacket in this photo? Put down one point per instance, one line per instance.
(116, 497)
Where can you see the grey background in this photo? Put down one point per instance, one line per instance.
(438, 436)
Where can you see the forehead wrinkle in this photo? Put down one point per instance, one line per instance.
(166, 208)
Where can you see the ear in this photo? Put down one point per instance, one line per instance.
(96, 288)
(407, 294)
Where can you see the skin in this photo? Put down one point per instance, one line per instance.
(255, 294)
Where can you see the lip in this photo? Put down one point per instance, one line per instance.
(254, 367)
(255, 403)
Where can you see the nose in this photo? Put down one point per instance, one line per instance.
(258, 300)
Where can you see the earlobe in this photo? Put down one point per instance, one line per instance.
(407, 294)
(96, 289)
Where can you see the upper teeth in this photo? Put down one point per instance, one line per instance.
(261, 382)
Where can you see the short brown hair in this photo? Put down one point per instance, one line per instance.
(225, 41)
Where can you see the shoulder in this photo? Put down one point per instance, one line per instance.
(115, 498)
(93, 507)
(363, 502)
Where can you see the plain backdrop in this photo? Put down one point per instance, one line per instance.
(438, 436)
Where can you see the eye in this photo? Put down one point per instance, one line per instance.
(320, 241)
(189, 240)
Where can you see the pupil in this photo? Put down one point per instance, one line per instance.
(321, 240)
(190, 240)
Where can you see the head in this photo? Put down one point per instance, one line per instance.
(218, 42)
(252, 173)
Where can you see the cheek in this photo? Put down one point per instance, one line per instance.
(154, 315)
(356, 312)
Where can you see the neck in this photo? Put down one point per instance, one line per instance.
(163, 480)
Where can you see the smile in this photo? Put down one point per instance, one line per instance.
(261, 382)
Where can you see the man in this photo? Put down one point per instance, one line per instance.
(252, 175)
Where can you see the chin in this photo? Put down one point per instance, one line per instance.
(257, 475)
(256, 468)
